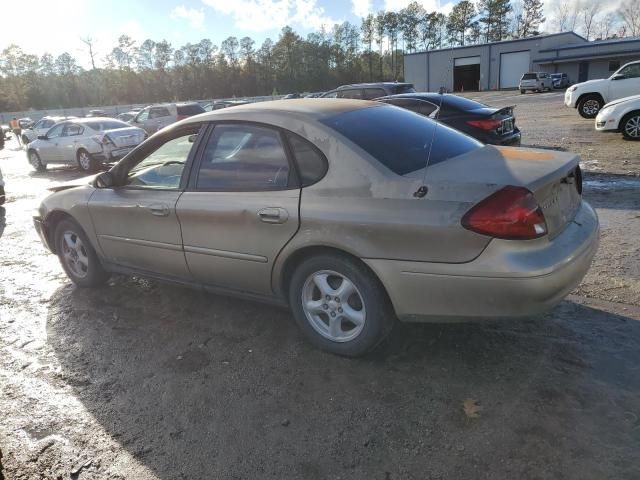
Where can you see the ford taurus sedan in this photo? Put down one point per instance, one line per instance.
(85, 142)
(352, 213)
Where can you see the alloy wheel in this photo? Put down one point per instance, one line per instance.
(632, 127)
(333, 306)
(84, 160)
(34, 161)
(591, 107)
(74, 254)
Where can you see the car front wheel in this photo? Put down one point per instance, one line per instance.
(36, 162)
(630, 126)
(77, 256)
(340, 305)
(589, 106)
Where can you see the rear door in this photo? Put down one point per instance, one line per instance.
(241, 207)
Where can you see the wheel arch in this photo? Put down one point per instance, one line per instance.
(590, 94)
(51, 222)
(295, 258)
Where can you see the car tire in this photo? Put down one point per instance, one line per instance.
(86, 162)
(2, 196)
(36, 162)
(630, 126)
(352, 331)
(522, 92)
(589, 106)
(77, 256)
(25, 140)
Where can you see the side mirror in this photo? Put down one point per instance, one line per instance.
(42, 137)
(619, 76)
(104, 180)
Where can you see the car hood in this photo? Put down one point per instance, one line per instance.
(78, 182)
(592, 83)
(634, 98)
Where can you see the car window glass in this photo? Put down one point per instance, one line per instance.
(398, 89)
(189, 109)
(399, 139)
(415, 105)
(333, 94)
(529, 76)
(143, 116)
(312, 164)
(631, 71)
(159, 112)
(371, 93)
(72, 130)
(244, 157)
(164, 166)
(350, 93)
(55, 131)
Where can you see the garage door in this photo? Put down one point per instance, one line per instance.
(512, 66)
(466, 74)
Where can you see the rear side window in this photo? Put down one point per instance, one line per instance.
(350, 93)
(419, 106)
(191, 109)
(398, 89)
(371, 93)
(400, 139)
(312, 164)
(242, 157)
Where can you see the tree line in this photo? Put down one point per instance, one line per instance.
(156, 71)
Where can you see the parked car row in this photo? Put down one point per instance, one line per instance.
(614, 102)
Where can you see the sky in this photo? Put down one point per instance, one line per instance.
(56, 26)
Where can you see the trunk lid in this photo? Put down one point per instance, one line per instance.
(125, 137)
(553, 177)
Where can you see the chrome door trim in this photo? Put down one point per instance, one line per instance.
(143, 243)
(225, 254)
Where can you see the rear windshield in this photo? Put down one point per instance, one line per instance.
(101, 125)
(403, 89)
(529, 76)
(400, 139)
(461, 103)
(191, 109)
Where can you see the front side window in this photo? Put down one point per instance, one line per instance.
(241, 157)
(631, 71)
(56, 131)
(142, 116)
(163, 167)
(399, 139)
(159, 112)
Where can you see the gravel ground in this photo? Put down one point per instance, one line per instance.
(141, 380)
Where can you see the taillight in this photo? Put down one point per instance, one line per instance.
(102, 139)
(485, 124)
(511, 213)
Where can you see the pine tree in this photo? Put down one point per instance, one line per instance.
(532, 17)
(460, 20)
(494, 16)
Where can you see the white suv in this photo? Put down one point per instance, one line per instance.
(536, 81)
(589, 97)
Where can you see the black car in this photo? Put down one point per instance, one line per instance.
(369, 91)
(496, 126)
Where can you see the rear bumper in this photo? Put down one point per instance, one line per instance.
(509, 279)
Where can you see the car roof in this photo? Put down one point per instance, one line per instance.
(94, 119)
(375, 84)
(315, 108)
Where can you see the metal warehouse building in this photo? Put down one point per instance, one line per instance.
(499, 65)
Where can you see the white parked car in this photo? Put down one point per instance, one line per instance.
(621, 116)
(87, 142)
(41, 127)
(589, 97)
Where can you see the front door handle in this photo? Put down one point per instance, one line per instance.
(273, 215)
(159, 210)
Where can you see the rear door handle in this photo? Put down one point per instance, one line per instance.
(159, 210)
(273, 215)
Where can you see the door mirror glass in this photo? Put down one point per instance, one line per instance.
(104, 180)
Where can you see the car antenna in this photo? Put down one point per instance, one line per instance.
(422, 191)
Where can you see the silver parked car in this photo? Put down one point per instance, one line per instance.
(156, 117)
(87, 142)
(329, 206)
(560, 80)
(536, 81)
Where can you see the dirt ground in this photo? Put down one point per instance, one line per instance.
(142, 380)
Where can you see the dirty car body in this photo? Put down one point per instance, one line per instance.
(307, 203)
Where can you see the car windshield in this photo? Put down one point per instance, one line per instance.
(529, 76)
(399, 139)
(403, 89)
(461, 103)
(192, 109)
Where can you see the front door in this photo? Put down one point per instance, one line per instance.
(626, 85)
(241, 208)
(136, 223)
(49, 150)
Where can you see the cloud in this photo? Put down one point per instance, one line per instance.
(361, 8)
(441, 6)
(264, 15)
(195, 17)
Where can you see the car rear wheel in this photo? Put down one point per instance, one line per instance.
(340, 305)
(589, 106)
(77, 256)
(86, 162)
(630, 126)
(35, 162)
